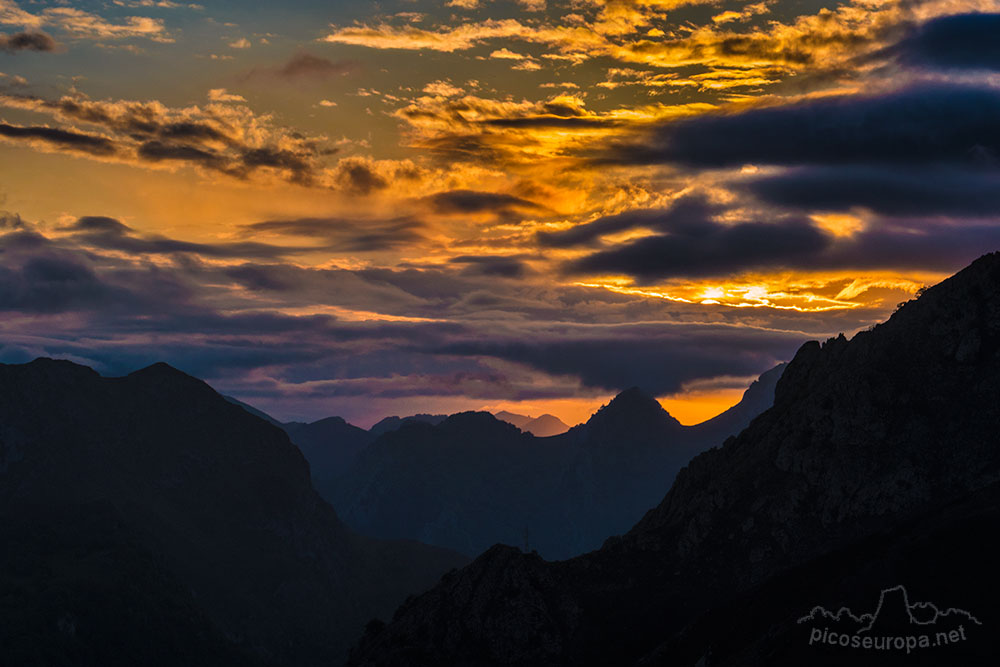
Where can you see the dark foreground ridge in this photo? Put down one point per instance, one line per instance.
(146, 520)
(877, 466)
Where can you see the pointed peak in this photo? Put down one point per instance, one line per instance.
(631, 408)
(545, 426)
(159, 369)
(632, 393)
(634, 398)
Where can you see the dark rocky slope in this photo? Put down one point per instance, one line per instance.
(149, 521)
(877, 465)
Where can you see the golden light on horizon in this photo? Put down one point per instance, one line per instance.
(695, 407)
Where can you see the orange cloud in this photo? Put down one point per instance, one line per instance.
(84, 25)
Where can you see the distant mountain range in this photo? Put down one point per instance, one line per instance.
(543, 426)
(395, 423)
(878, 465)
(469, 481)
(145, 520)
(473, 480)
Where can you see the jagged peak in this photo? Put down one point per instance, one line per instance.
(947, 320)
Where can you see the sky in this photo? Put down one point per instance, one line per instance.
(378, 208)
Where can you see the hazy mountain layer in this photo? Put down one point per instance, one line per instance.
(472, 480)
(542, 426)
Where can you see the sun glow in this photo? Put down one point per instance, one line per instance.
(806, 293)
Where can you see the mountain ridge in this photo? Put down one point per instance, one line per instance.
(849, 451)
(562, 495)
(210, 507)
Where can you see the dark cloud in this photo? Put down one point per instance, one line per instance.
(145, 132)
(691, 212)
(492, 265)
(262, 278)
(28, 41)
(299, 167)
(457, 330)
(660, 359)
(893, 192)
(348, 235)
(49, 283)
(303, 67)
(66, 139)
(960, 41)
(98, 223)
(140, 121)
(10, 221)
(357, 177)
(933, 246)
(473, 201)
(717, 249)
(110, 234)
(550, 121)
(919, 125)
(707, 248)
(184, 131)
(158, 151)
(459, 146)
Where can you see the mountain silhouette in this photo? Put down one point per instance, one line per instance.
(147, 520)
(542, 426)
(331, 446)
(473, 480)
(255, 411)
(633, 412)
(758, 397)
(513, 418)
(562, 498)
(545, 426)
(877, 461)
(395, 423)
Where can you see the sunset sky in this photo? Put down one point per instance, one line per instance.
(376, 208)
